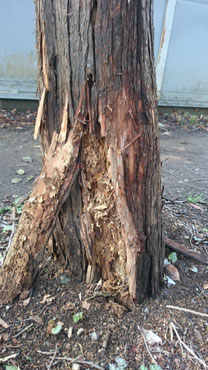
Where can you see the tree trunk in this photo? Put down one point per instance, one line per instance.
(100, 55)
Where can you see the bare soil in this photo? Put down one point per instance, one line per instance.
(109, 335)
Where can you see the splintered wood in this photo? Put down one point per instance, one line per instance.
(40, 211)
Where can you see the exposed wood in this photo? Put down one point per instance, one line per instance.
(182, 249)
(41, 210)
(101, 197)
(39, 114)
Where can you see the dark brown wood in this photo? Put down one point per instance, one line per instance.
(182, 249)
(109, 226)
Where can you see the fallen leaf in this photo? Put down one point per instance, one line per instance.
(47, 298)
(50, 299)
(26, 302)
(27, 159)
(29, 178)
(69, 306)
(5, 337)
(170, 281)
(198, 335)
(50, 326)
(77, 317)
(205, 286)
(117, 309)
(4, 324)
(193, 269)
(16, 180)
(94, 336)
(86, 305)
(20, 171)
(37, 319)
(55, 330)
(151, 337)
(172, 257)
(121, 363)
(173, 272)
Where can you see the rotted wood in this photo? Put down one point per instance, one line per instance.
(110, 225)
(40, 212)
(108, 218)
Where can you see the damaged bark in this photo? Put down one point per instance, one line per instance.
(108, 223)
(41, 210)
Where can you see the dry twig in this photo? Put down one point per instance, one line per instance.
(22, 331)
(187, 310)
(53, 357)
(81, 362)
(146, 345)
(172, 326)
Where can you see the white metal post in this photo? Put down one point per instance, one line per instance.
(164, 42)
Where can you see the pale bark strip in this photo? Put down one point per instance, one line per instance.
(132, 242)
(39, 114)
(40, 212)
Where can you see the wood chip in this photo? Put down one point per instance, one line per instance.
(4, 324)
(37, 319)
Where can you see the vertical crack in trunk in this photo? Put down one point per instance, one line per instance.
(92, 22)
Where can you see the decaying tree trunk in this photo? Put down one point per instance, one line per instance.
(96, 70)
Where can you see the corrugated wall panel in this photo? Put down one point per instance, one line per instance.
(185, 80)
(17, 50)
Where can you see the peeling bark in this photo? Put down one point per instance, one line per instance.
(109, 226)
(40, 211)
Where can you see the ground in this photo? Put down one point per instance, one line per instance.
(108, 335)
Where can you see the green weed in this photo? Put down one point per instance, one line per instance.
(197, 198)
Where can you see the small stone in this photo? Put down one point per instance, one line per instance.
(80, 331)
(146, 310)
(94, 336)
